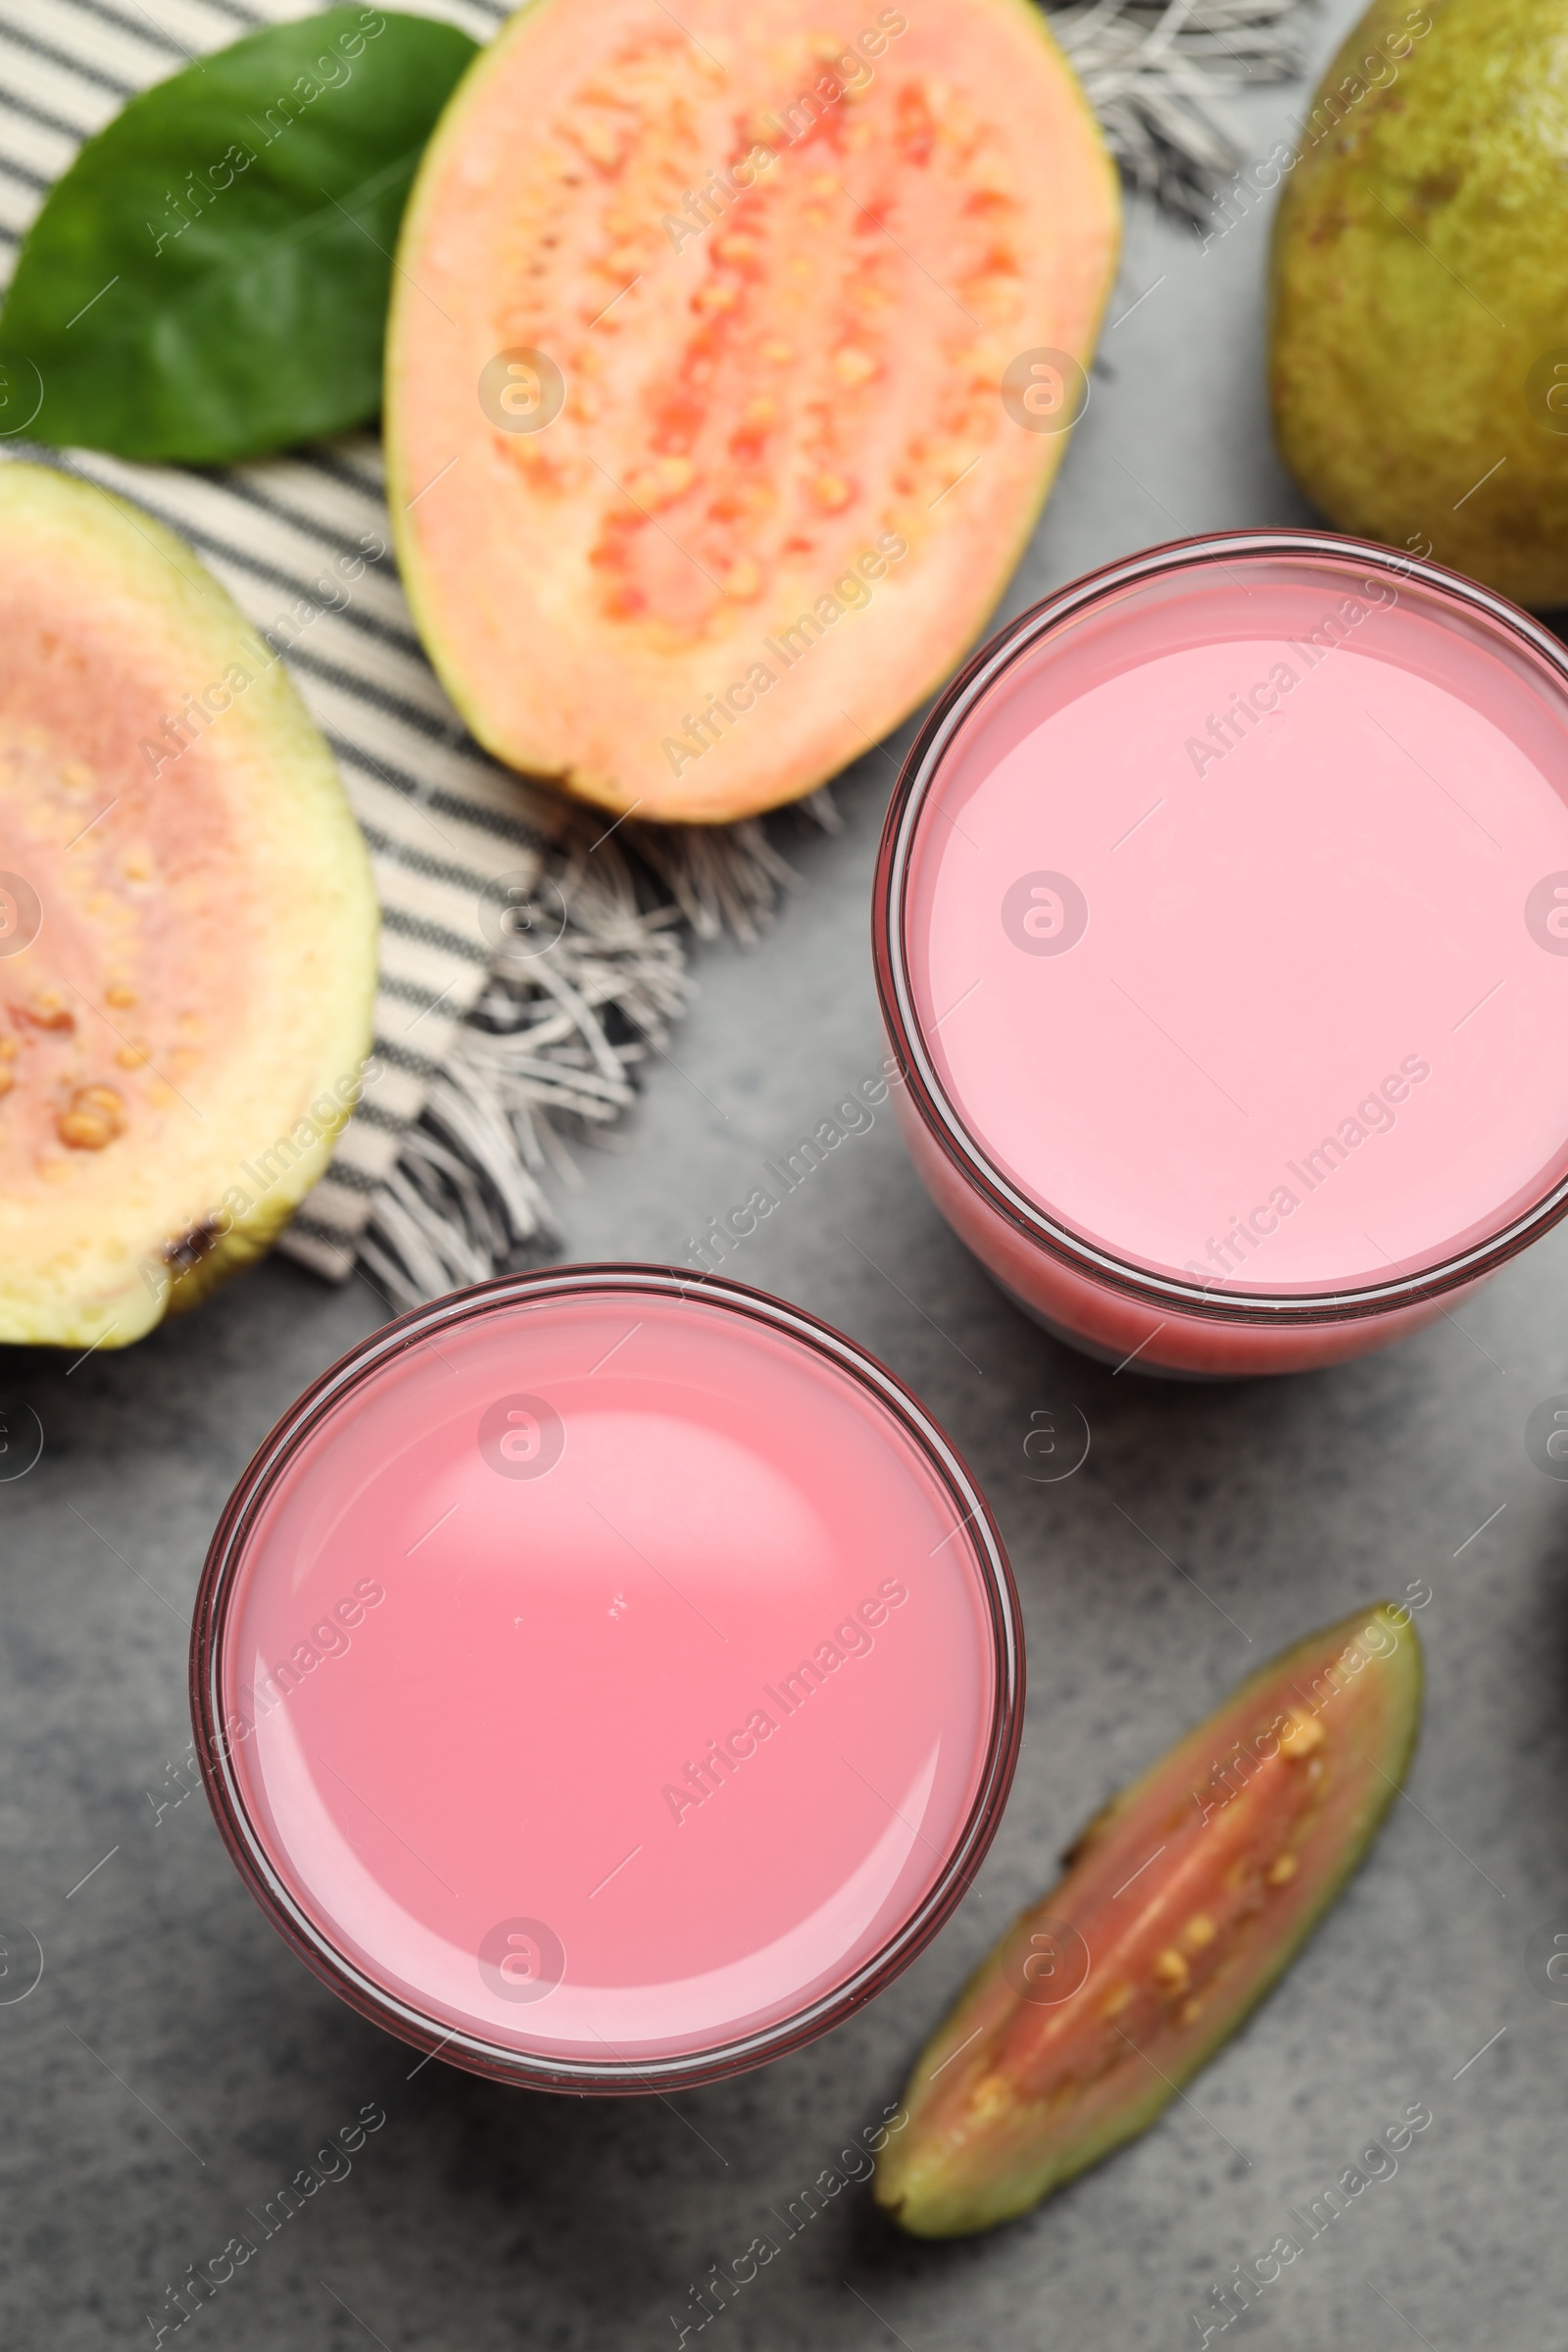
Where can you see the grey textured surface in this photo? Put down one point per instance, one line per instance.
(175, 2065)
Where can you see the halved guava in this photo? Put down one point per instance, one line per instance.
(729, 364)
(1184, 1898)
(187, 925)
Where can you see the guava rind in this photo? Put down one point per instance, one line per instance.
(1417, 291)
(151, 1223)
(990, 2133)
(504, 596)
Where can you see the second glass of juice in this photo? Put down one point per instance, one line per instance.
(606, 1678)
(1221, 931)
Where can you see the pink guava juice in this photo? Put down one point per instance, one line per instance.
(1221, 930)
(608, 1676)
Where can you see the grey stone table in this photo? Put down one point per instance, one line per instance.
(174, 2066)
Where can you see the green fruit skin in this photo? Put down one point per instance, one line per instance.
(1420, 290)
(938, 2181)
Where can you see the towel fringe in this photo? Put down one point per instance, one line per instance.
(1158, 73)
(552, 1055)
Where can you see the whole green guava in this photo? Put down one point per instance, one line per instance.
(1419, 335)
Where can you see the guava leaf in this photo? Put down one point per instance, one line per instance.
(210, 278)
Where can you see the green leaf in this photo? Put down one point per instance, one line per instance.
(210, 278)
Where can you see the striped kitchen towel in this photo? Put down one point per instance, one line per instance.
(528, 961)
(530, 958)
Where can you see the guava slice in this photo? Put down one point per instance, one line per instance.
(1184, 1899)
(729, 363)
(187, 925)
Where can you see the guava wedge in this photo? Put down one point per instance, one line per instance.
(1184, 1899)
(729, 363)
(187, 925)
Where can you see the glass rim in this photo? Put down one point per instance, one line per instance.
(930, 1098)
(472, 2050)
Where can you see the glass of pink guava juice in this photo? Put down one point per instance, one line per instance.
(608, 1678)
(1221, 934)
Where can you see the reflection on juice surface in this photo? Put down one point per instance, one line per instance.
(619, 1679)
